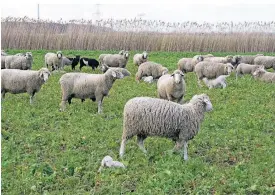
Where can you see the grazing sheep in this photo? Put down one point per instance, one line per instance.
(145, 116)
(140, 58)
(224, 60)
(245, 59)
(19, 62)
(101, 56)
(212, 70)
(262, 75)
(267, 61)
(108, 161)
(124, 71)
(245, 69)
(74, 61)
(20, 81)
(54, 60)
(172, 87)
(116, 60)
(220, 81)
(89, 62)
(188, 64)
(83, 86)
(150, 69)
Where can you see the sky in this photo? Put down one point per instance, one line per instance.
(168, 11)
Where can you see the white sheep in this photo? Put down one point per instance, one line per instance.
(188, 64)
(54, 60)
(150, 69)
(245, 69)
(108, 161)
(263, 75)
(19, 62)
(212, 70)
(224, 60)
(93, 86)
(267, 61)
(124, 71)
(116, 60)
(145, 116)
(101, 56)
(148, 79)
(220, 81)
(66, 62)
(20, 81)
(245, 59)
(140, 58)
(172, 87)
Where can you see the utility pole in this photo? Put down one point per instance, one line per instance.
(38, 14)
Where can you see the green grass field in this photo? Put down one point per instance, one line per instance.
(45, 151)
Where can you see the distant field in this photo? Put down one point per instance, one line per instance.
(45, 151)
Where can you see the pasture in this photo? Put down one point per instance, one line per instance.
(45, 151)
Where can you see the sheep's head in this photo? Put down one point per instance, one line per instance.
(144, 55)
(259, 71)
(204, 99)
(164, 71)
(228, 68)
(178, 76)
(229, 58)
(28, 55)
(121, 52)
(126, 54)
(200, 58)
(118, 73)
(104, 68)
(59, 54)
(44, 73)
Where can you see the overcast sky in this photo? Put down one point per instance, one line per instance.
(163, 11)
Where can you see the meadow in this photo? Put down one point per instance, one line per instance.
(45, 151)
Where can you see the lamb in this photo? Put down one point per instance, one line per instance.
(116, 60)
(89, 62)
(220, 81)
(74, 61)
(20, 81)
(188, 64)
(172, 87)
(140, 58)
(83, 86)
(262, 75)
(150, 69)
(267, 61)
(212, 70)
(54, 60)
(245, 69)
(108, 161)
(101, 56)
(245, 59)
(19, 62)
(224, 60)
(145, 116)
(124, 71)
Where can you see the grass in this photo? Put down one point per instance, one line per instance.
(45, 151)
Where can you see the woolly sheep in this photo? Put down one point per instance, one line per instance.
(145, 116)
(245, 69)
(101, 56)
(267, 61)
(224, 60)
(262, 75)
(54, 60)
(188, 64)
(172, 87)
(108, 161)
(124, 71)
(20, 81)
(116, 60)
(140, 58)
(19, 62)
(212, 70)
(66, 61)
(148, 79)
(150, 69)
(220, 81)
(83, 86)
(245, 59)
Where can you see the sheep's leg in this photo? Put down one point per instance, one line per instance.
(31, 98)
(140, 142)
(169, 97)
(223, 85)
(3, 93)
(122, 147)
(199, 82)
(100, 105)
(181, 100)
(185, 146)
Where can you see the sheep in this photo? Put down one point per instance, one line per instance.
(89, 62)
(54, 60)
(172, 87)
(224, 60)
(145, 116)
(20, 81)
(83, 86)
(188, 64)
(220, 81)
(148, 79)
(19, 62)
(140, 58)
(150, 69)
(245, 59)
(267, 61)
(245, 69)
(116, 60)
(66, 61)
(108, 161)
(75, 61)
(23, 54)
(212, 70)
(101, 56)
(124, 71)
(262, 75)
